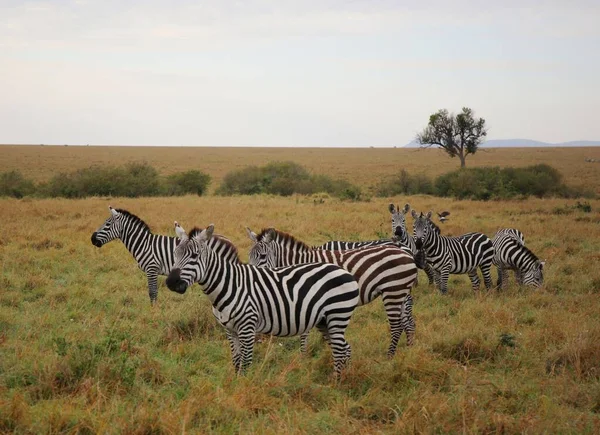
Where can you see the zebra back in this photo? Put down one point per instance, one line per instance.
(511, 232)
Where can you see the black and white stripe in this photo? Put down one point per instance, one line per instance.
(511, 254)
(385, 271)
(249, 300)
(454, 255)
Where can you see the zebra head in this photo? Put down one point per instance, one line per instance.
(190, 258)
(398, 217)
(534, 276)
(262, 253)
(110, 230)
(422, 228)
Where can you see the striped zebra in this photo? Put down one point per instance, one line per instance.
(153, 252)
(399, 231)
(385, 271)
(456, 255)
(511, 254)
(249, 300)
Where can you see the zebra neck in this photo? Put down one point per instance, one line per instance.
(135, 238)
(220, 278)
(296, 254)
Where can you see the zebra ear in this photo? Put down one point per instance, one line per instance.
(114, 212)
(391, 208)
(208, 232)
(251, 234)
(414, 214)
(269, 235)
(180, 231)
(542, 264)
(429, 214)
(406, 208)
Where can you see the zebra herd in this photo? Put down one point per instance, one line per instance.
(288, 287)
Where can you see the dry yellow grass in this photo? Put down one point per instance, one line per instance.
(363, 166)
(82, 351)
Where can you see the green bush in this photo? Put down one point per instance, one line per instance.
(13, 184)
(406, 184)
(131, 180)
(496, 183)
(182, 183)
(284, 178)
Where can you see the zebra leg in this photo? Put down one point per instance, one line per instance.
(303, 343)
(246, 335)
(499, 282)
(474, 280)
(444, 275)
(340, 349)
(408, 321)
(394, 306)
(152, 286)
(502, 278)
(487, 276)
(430, 273)
(234, 345)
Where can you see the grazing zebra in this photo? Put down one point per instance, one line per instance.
(456, 255)
(385, 271)
(399, 230)
(511, 254)
(153, 252)
(248, 300)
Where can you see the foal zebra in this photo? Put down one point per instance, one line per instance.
(248, 300)
(153, 252)
(399, 230)
(456, 255)
(385, 271)
(511, 254)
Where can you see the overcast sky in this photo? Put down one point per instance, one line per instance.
(294, 73)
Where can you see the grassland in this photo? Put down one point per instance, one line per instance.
(81, 350)
(363, 166)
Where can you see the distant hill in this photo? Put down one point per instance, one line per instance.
(524, 143)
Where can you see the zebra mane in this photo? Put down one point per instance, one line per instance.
(222, 241)
(528, 252)
(135, 218)
(281, 236)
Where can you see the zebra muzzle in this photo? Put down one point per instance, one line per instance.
(175, 283)
(95, 241)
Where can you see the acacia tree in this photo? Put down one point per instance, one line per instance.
(459, 135)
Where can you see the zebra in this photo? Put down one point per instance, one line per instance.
(399, 231)
(380, 270)
(511, 254)
(248, 300)
(153, 252)
(456, 255)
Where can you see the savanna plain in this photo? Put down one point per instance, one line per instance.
(82, 350)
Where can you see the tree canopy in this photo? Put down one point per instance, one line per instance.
(459, 135)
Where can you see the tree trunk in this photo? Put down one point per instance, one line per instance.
(462, 160)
